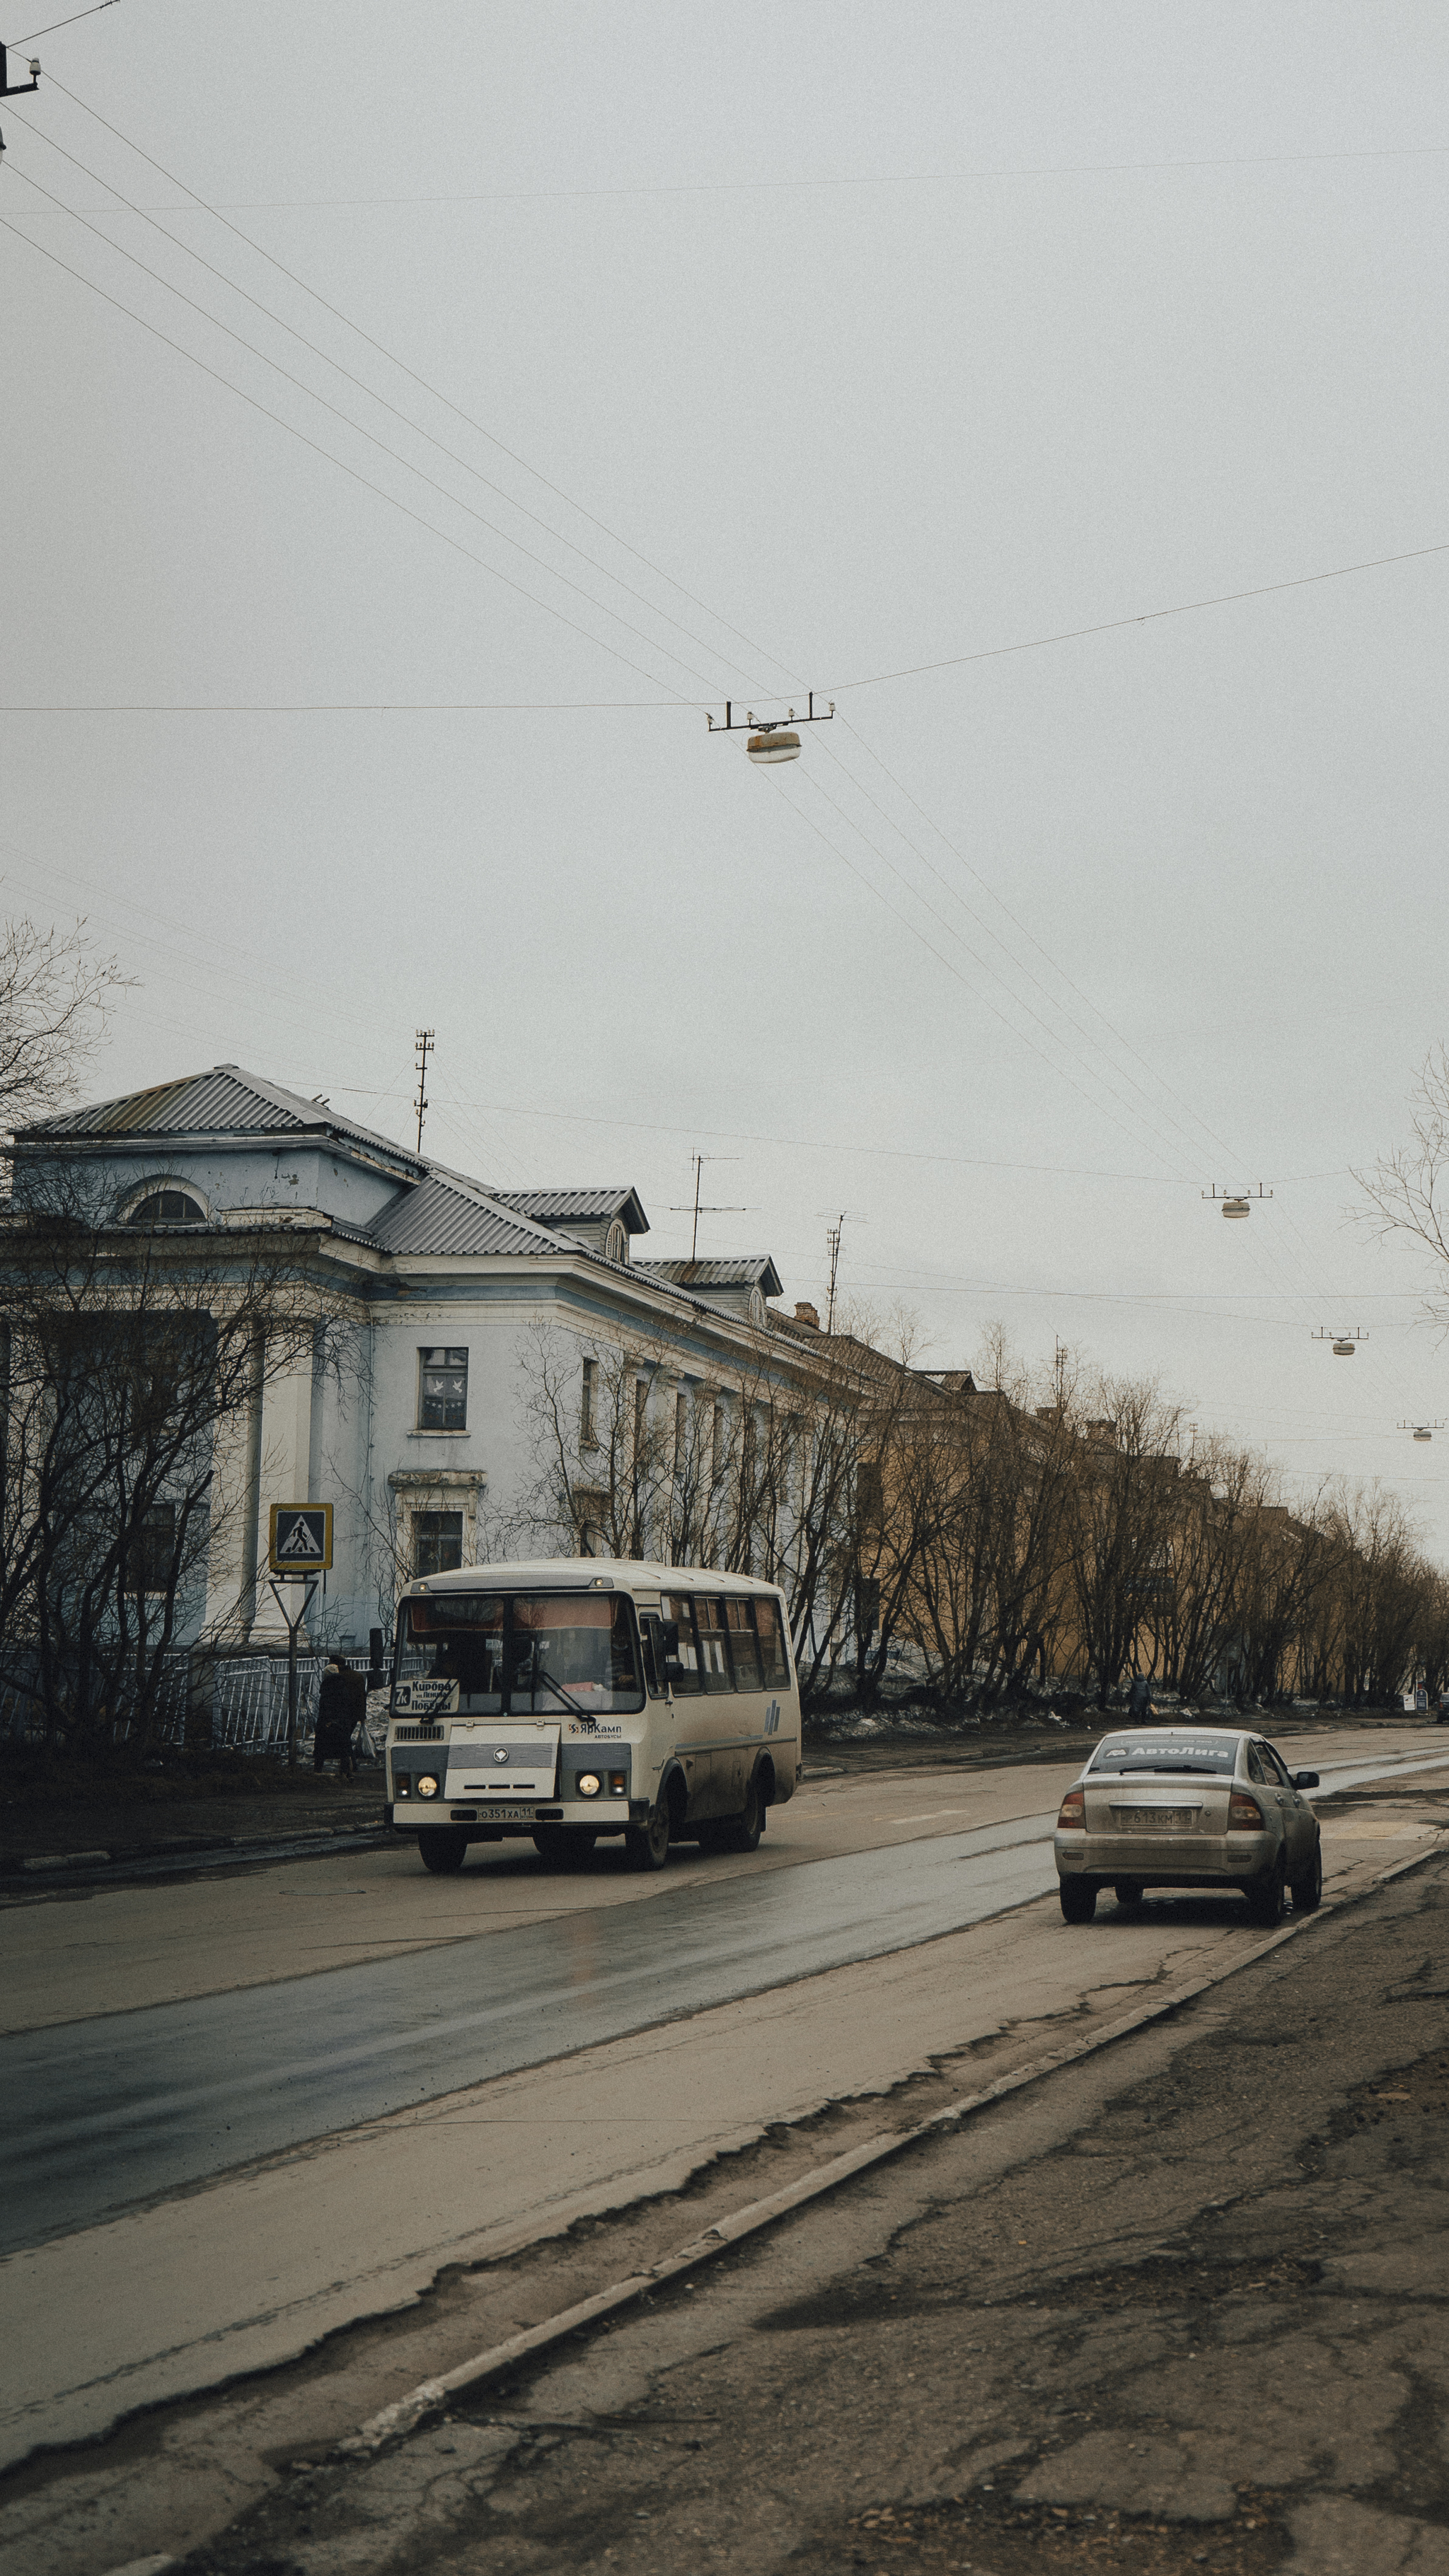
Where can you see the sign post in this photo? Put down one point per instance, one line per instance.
(299, 1547)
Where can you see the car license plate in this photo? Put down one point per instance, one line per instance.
(1155, 1820)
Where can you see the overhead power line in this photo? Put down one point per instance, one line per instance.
(372, 395)
(826, 184)
(394, 454)
(351, 471)
(1141, 617)
(411, 372)
(57, 23)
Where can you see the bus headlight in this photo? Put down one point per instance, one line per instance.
(402, 1782)
(588, 1784)
(427, 1785)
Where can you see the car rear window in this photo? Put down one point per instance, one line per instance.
(1167, 1753)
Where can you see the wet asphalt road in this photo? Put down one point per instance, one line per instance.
(107, 2112)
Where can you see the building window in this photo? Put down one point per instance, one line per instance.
(151, 1553)
(437, 1542)
(442, 1390)
(641, 1414)
(167, 1207)
(588, 1435)
(869, 1494)
(616, 1243)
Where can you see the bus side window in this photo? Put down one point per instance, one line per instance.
(744, 1654)
(622, 1674)
(772, 1643)
(678, 1609)
(652, 1639)
(713, 1653)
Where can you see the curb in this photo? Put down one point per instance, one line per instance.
(405, 2413)
(37, 1876)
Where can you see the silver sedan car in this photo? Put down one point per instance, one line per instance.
(1188, 1806)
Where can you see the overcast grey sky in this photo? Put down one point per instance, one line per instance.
(890, 336)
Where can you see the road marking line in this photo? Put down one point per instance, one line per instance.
(401, 2417)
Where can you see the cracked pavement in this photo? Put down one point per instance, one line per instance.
(1179, 2308)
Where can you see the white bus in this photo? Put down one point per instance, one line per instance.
(573, 1698)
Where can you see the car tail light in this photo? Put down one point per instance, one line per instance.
(1074, 1810)
(1245, 1816)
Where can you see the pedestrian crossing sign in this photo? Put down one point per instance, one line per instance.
(301, 1538)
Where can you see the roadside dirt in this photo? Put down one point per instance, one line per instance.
(1180, 2309)
(190, 1809)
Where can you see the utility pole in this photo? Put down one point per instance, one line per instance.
(423, 1049)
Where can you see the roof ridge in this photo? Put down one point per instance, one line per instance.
(314, 1113)
(466, 1187)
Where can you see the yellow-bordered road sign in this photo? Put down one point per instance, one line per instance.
(301, 1538)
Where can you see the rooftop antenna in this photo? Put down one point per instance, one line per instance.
(693, 1207)
(422, 1050)
(850, 1216)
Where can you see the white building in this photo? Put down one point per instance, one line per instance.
(443, 1294)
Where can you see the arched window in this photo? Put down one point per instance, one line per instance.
(167, 1207)
(616, 1243)
(759, 1312)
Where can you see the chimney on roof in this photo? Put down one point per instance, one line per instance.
(807, 1314)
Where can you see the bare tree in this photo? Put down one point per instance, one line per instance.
(55, 991)
(134, 1360)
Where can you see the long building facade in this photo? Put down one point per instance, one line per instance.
(462, 1335)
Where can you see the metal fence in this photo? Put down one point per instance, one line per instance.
(229, 1703)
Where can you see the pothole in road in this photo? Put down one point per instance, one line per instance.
(991, 2537)
(1171, 2281)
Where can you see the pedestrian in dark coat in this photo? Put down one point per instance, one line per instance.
(1139, 1702)
(341, 1708)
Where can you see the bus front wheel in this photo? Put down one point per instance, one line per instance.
(647, 1846)
(442, 1849)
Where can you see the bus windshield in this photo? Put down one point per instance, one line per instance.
(533, 1654)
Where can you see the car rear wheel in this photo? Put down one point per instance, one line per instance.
(1079, 1899)
(1308, 1886)
(442, 1849)
(1128, 1895)
(1265, 1895)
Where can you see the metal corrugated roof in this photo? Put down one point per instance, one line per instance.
(226, 1100)
(752, 1270)
(443, 1216)
(577, 1207)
